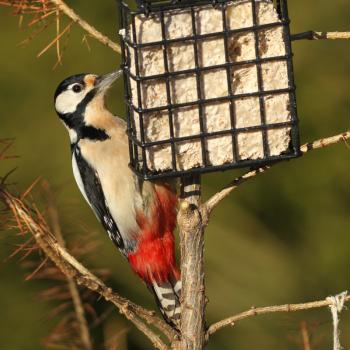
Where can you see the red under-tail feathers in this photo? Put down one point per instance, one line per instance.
(154, 260)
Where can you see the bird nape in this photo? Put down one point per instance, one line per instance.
(139, 216)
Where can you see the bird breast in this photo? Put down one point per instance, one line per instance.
(110, 160)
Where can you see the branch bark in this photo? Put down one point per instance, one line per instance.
(193, 216)
(222, 194)
(313, 35)
(70, 267)
(231, 321)
(192, 265)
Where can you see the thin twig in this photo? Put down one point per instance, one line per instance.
(8, 143)
(55, 40)
(41, 265)
(313, 35)
(86, 26)
(231, 321)
(69, 266)
(305, 336)
(328, 141)
(73, 290)
(35, 33)
(41, 18)
(58, 50)
(26, 8)
(21, 6)
(219, 196)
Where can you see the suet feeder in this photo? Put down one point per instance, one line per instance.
(209, 86)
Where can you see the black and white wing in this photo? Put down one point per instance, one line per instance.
(90, 187)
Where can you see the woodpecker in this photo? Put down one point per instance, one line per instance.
(139, 216)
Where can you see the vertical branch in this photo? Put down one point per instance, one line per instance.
(58, 49)
(192, 265)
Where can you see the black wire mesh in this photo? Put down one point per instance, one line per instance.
(137, 110)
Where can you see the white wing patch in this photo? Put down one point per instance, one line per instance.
(78, 179)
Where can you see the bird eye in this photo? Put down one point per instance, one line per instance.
(77, 88)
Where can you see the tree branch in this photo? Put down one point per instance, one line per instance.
(191, 230)
(219, 196)
(86, 26)
(70, 267)
(230, 321)
(313, 35)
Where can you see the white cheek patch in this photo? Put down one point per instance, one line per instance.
(68, 100)
(78, 179)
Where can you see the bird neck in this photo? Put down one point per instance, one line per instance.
(90, 121)
(97, 115)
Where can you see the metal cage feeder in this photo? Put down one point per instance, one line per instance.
(208, 86)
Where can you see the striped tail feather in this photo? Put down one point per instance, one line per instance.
(167, 295)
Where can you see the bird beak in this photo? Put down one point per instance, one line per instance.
(104, 82)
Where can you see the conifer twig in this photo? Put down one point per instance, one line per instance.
(92, 31)
(140, 317)
(48, 7)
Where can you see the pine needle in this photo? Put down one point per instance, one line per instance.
(54, 40)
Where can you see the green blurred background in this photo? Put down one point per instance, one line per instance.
(282, 238)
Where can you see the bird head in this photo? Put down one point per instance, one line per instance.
(75, 94)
